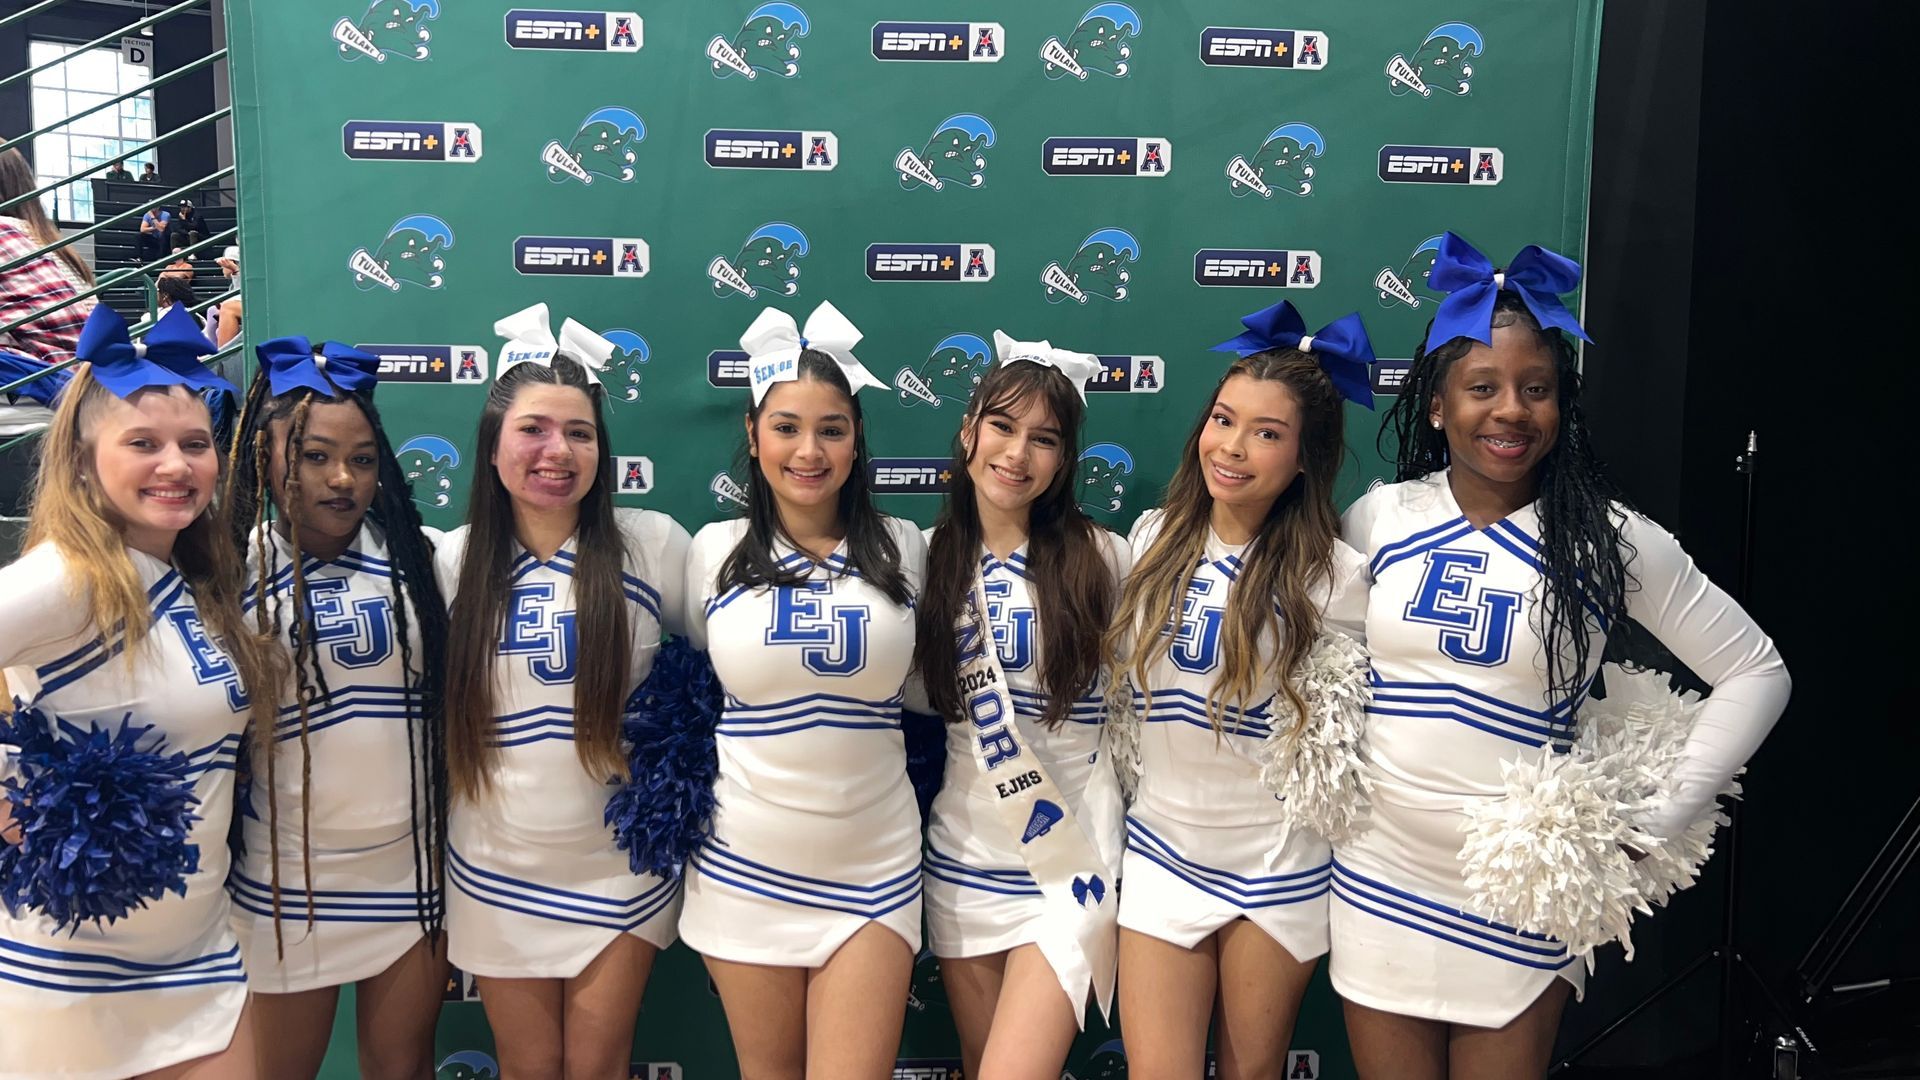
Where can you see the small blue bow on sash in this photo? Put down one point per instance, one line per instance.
(1341, 348)
(169, 355)
(1472, 283)
(333, 370)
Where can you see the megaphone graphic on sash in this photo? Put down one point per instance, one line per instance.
(1045, 816)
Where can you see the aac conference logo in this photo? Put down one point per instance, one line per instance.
(955, 152)
(388, 28)
(574, 31)
(409, 254)
(1256, 268)
(411, 140)
(949, 374)
(1444, 62)
(634, 475)
(930, 262)
(1126, 375)
(1282, 163)
(582, 256)
(1147, 155)
(1408, 284)
(601, 146)
(1472, 165)
(764, 148)
(1099, 43)
(768, 260)
(1098, 268)
(910, 475)
(968, 42)
(1259, 47)
(765, 42)
(443, 364)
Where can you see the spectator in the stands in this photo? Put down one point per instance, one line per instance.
(154, 225)
(223, 319)
(180, 267)
(173, 290)
(119, 171)
(188, 227)
(149, 174)
(42, 280)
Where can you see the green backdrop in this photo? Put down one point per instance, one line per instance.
(1122, 179)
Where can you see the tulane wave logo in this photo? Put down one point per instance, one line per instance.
(1283, 163)
(428, 461)
(1408, 285)
(603, 146)
(765, 42)
(768, 260)
(956, 152)
(1099, 44)
(389, 28)
(621, 376)
(1099, 268)
(409, 255)
(948, 374)
(1442, 62)
(1104, 469)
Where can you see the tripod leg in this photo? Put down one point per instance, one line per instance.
(1578, 1052)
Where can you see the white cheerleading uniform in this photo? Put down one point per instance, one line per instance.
(1459, 688)
(367, 904)
(1207, 842)
(816, 833)
(981, 899)
(536, 886)
(166, 983)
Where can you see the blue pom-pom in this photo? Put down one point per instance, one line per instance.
(103, 823)
(661, 815)
(926, 737)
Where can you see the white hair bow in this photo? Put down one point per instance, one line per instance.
(1078, 367)
(529, 334)
(773, 345)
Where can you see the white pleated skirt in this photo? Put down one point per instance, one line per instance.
(1181, 882)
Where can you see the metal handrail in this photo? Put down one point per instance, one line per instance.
(138, 331)
(101, 287)
(34, 10)
(212, 58)
(68, 238)
(158, 17)
(221, 114)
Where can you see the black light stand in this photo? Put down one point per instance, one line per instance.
(1735, 1025)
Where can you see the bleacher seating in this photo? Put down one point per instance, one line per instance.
(119, 246)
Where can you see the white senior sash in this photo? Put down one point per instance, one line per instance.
(1081, 939)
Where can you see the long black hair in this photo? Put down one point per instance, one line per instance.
(1073, 586)
(416, 604)
(871, 550)
(1581, 550)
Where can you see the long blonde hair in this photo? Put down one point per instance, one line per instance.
(69, 513)
(1291, 554)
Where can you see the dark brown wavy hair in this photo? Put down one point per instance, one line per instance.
(1073, 587)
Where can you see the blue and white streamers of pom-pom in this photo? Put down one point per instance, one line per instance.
(663, 812)
(926, 738)
(103, 823)
(1551, 857)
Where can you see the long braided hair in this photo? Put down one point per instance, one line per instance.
(416, 605)
(1583, 587)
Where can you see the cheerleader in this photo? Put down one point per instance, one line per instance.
(126, 607)
(543, 909)
(1498, 563)
(339, 876)
(1013, 561)
(1224, 907)
(805, 899)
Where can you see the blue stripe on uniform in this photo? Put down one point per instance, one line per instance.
(870, 901)
(84, 973)
(1469, 931)
(954, 872)
(559, 905)
(1247, 893)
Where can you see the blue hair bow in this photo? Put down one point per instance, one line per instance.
(1471, 284)
(1341, 347)
(337, 370)
(169, 356)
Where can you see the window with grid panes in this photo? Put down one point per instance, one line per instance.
(86, 78)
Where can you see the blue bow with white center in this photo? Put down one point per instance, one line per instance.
(1341, 348)
(169, 356)
(1089, 887)
(1472, 283)
(332, 370)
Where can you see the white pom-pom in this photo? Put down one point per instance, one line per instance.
(1319, 764)
(1120, 736)
(1551, 857)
